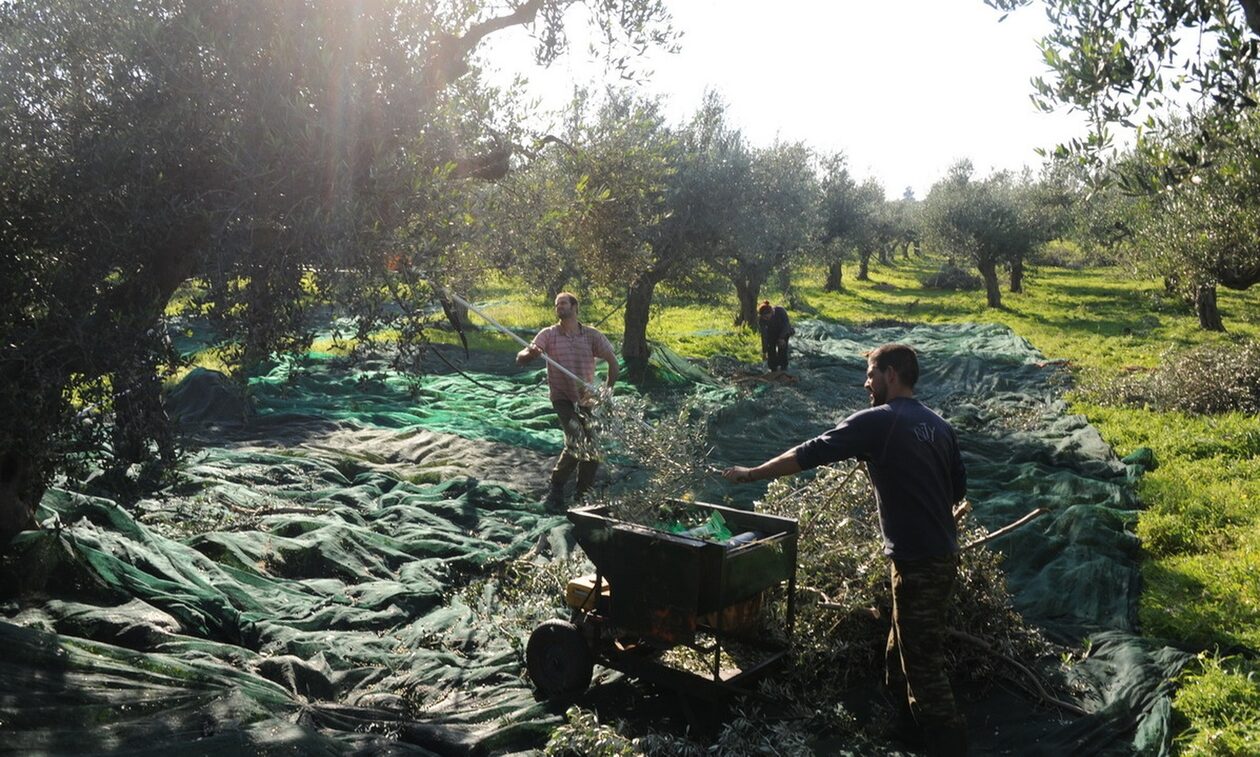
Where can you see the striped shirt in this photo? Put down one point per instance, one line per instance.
(577, 353)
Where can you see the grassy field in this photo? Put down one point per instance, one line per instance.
(1201, 525)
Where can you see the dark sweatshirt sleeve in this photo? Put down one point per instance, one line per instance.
(850, 439)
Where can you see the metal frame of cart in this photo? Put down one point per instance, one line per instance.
(654, 590)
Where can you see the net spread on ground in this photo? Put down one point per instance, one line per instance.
(302, 585)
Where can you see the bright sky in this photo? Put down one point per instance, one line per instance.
(903, 87)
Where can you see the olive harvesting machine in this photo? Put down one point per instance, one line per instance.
(656, 590)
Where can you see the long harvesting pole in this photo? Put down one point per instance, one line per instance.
(591, 387)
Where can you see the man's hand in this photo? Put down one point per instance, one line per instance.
(738, 474)
(528, 354)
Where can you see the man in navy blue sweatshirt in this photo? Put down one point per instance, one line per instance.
(917, 471)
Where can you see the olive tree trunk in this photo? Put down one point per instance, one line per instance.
(634, 345)
(1205, 308)
(835, 278)
(21, 488)
(864, 266)
(747, 291)
(992, 290)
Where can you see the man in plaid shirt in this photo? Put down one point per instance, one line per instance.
(575, 347)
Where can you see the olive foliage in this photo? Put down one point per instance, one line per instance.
(1127, 63)
(1203, 230)
(990, 223)
(282, 154)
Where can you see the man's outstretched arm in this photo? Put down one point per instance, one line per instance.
(783, 465)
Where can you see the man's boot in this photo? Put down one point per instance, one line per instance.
(555, 497)
(585, 478)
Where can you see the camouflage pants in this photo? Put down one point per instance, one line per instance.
(914, 659)
(579, 447)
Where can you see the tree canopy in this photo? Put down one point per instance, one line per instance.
(990, 223)
(272, 150)
(1204, 231)
(1127, 63)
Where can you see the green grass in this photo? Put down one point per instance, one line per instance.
(1220, 702)
(1201, 525)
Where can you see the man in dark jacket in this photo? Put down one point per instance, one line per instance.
(776, 329)
(916, 468)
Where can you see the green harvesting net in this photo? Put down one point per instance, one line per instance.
(301, 587)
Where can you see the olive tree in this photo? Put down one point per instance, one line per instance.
(984, 222)
(627, 158)
(875, 233)
(270, 150)
(904, 220)
(699, 212)
(775, 216)
(1204, 232)
(841, 216)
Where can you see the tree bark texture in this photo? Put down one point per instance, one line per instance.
(1017, 276)
(634, 345)
(21, 488)
(747, 291)
(1205, 308)
(835, 278)
(864, 266)
(992, 290)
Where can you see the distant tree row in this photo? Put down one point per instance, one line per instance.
(1183, 203)
(625, 202)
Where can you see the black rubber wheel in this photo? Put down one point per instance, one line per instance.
(558, 659)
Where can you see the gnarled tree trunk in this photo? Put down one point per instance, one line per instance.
(747, 291)
(634, 345)
(139, 416)
(864, 266)
(835, 278)
(21, 488)
(1205, 308)
(991, 288)
(1017, 276)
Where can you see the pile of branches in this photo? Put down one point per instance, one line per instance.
(953, 278)
(665, 451)
(1203, 380)
(842, 614)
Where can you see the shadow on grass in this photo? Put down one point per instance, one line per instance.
(911, 303)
